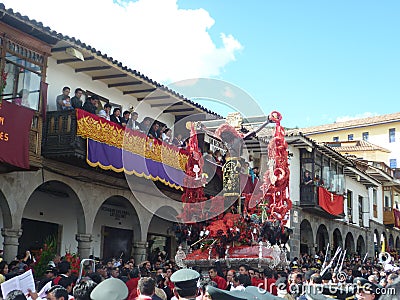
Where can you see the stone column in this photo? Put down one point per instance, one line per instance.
(139, 251)
(11, 243)
(84, 244)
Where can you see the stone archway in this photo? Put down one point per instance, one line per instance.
(391, 242)
(349, 243)
(161, 235)
(377, 243)
(9, 235)
(306, 237)
(360, 246)
(322, 238)
(116, 229)
(337, 239)
(54, 210)
(397, 243)
(384, 242)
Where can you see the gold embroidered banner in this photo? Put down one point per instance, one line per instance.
(103, 131)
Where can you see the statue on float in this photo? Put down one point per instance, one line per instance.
(255, 236)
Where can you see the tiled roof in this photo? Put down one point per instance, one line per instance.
(354, 146)
(382, 119)
(46, 34)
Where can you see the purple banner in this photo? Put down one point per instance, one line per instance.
(112, 158)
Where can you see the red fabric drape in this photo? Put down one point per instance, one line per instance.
(396, 217)
(330, 202)
(15, 123)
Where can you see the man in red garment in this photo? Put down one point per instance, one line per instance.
(221, 282)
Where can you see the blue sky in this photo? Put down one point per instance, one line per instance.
(314, 61)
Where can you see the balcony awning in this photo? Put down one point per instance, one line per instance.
(85, 59)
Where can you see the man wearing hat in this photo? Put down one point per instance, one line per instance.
(186, 283)
(110, 289)
(366, 290)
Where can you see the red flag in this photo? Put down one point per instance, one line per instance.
(331, 203)
(15, 124)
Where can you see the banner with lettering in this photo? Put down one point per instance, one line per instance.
(15, 124)
(112, 147)
(330, 202)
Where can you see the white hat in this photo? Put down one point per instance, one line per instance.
(110, 289)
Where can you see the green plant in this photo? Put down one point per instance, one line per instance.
(45, 255)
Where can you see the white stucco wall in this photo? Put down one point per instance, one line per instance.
(294, 180)
(358, 190)
(55, 210)
(59, 75)
(104, 218)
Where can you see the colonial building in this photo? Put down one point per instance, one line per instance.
(47, 185)
(364, 220)
(380, 130)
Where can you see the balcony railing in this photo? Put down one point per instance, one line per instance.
(60, 141)
(388, 216)
(309, 200)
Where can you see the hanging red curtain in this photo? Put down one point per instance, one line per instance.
(330, 202)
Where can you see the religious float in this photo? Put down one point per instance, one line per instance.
(236, 227)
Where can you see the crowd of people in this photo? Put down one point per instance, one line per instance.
(152, 128)
(363, 278)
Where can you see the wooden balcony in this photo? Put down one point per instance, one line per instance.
(388, 216)
(60, 141)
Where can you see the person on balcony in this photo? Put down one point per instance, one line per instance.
(153, 132)
(178, 141)
(318, 181)
(167, 136)
(125, 118)
(105, 112)
(61, 98)
(76, 100)
(145, 125)
(307, 178)
(133, 123)
(91, 104)
(116, 116)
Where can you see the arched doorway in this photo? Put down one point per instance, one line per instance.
(384, 242)
(306, 237)
(349, 243)
(391, 242)
(377, 243)
(115, 228)
(6, 223)
(397, 243)
(161, 236)
(337, 239)
(361, 246)
(322, 238)
(53, 211)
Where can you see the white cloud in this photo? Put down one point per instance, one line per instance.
(357, 116)
(154, 37)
